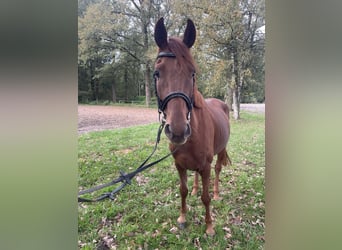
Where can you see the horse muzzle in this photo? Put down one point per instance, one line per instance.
(178, 136)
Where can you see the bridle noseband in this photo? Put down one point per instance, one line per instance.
(163, 103)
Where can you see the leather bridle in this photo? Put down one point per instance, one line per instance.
(162, 103)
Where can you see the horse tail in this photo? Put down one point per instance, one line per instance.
(225, 159)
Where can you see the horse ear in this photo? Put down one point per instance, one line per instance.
(160, 34)
(189, 34)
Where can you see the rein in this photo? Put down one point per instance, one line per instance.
(124, 178)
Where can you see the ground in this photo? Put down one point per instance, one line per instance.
(97, 118)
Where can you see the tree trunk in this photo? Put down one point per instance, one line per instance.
(147, 84)
(126, 84)
(92, 81)
(113, 93)
(229, 97)
(230, 85)
(236, 88)
(96, 82)
(145, 15)
(95, 90)
(236, 103)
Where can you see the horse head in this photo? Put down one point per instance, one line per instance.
(174, 75)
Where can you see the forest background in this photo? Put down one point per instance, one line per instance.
(116, 48)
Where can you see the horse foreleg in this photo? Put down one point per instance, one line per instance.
(206, 200)
(195, 185)
(184, 192)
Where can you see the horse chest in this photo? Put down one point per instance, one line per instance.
(194, 159)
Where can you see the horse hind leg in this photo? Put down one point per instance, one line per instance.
(222, 159)
(195, 185)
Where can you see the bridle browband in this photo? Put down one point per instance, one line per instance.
(165, 54)
(163, 103)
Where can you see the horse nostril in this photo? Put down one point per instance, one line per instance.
(180, 137)
(167, 129)
(187, 131)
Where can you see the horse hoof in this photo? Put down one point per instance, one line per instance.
(217, 198)
(182, 225)
(210, 233)
(194, 191)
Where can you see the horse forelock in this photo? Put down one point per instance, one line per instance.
(182, 53)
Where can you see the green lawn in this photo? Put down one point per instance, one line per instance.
(143, 215)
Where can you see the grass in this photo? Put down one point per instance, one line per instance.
(143, 215)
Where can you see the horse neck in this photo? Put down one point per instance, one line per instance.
(199, 112)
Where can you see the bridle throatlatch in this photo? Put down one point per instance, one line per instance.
(177, 94)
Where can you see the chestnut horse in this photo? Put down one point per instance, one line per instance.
(197, 128)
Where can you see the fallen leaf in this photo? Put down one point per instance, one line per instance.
(174, 230)
(236, 221)
(141, 180)
(228, 236)
(197, 243)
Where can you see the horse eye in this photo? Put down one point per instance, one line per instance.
(156, 74)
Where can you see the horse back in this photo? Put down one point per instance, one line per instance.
(219, 112)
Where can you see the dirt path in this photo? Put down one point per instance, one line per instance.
(251, 107)
(97, 118)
